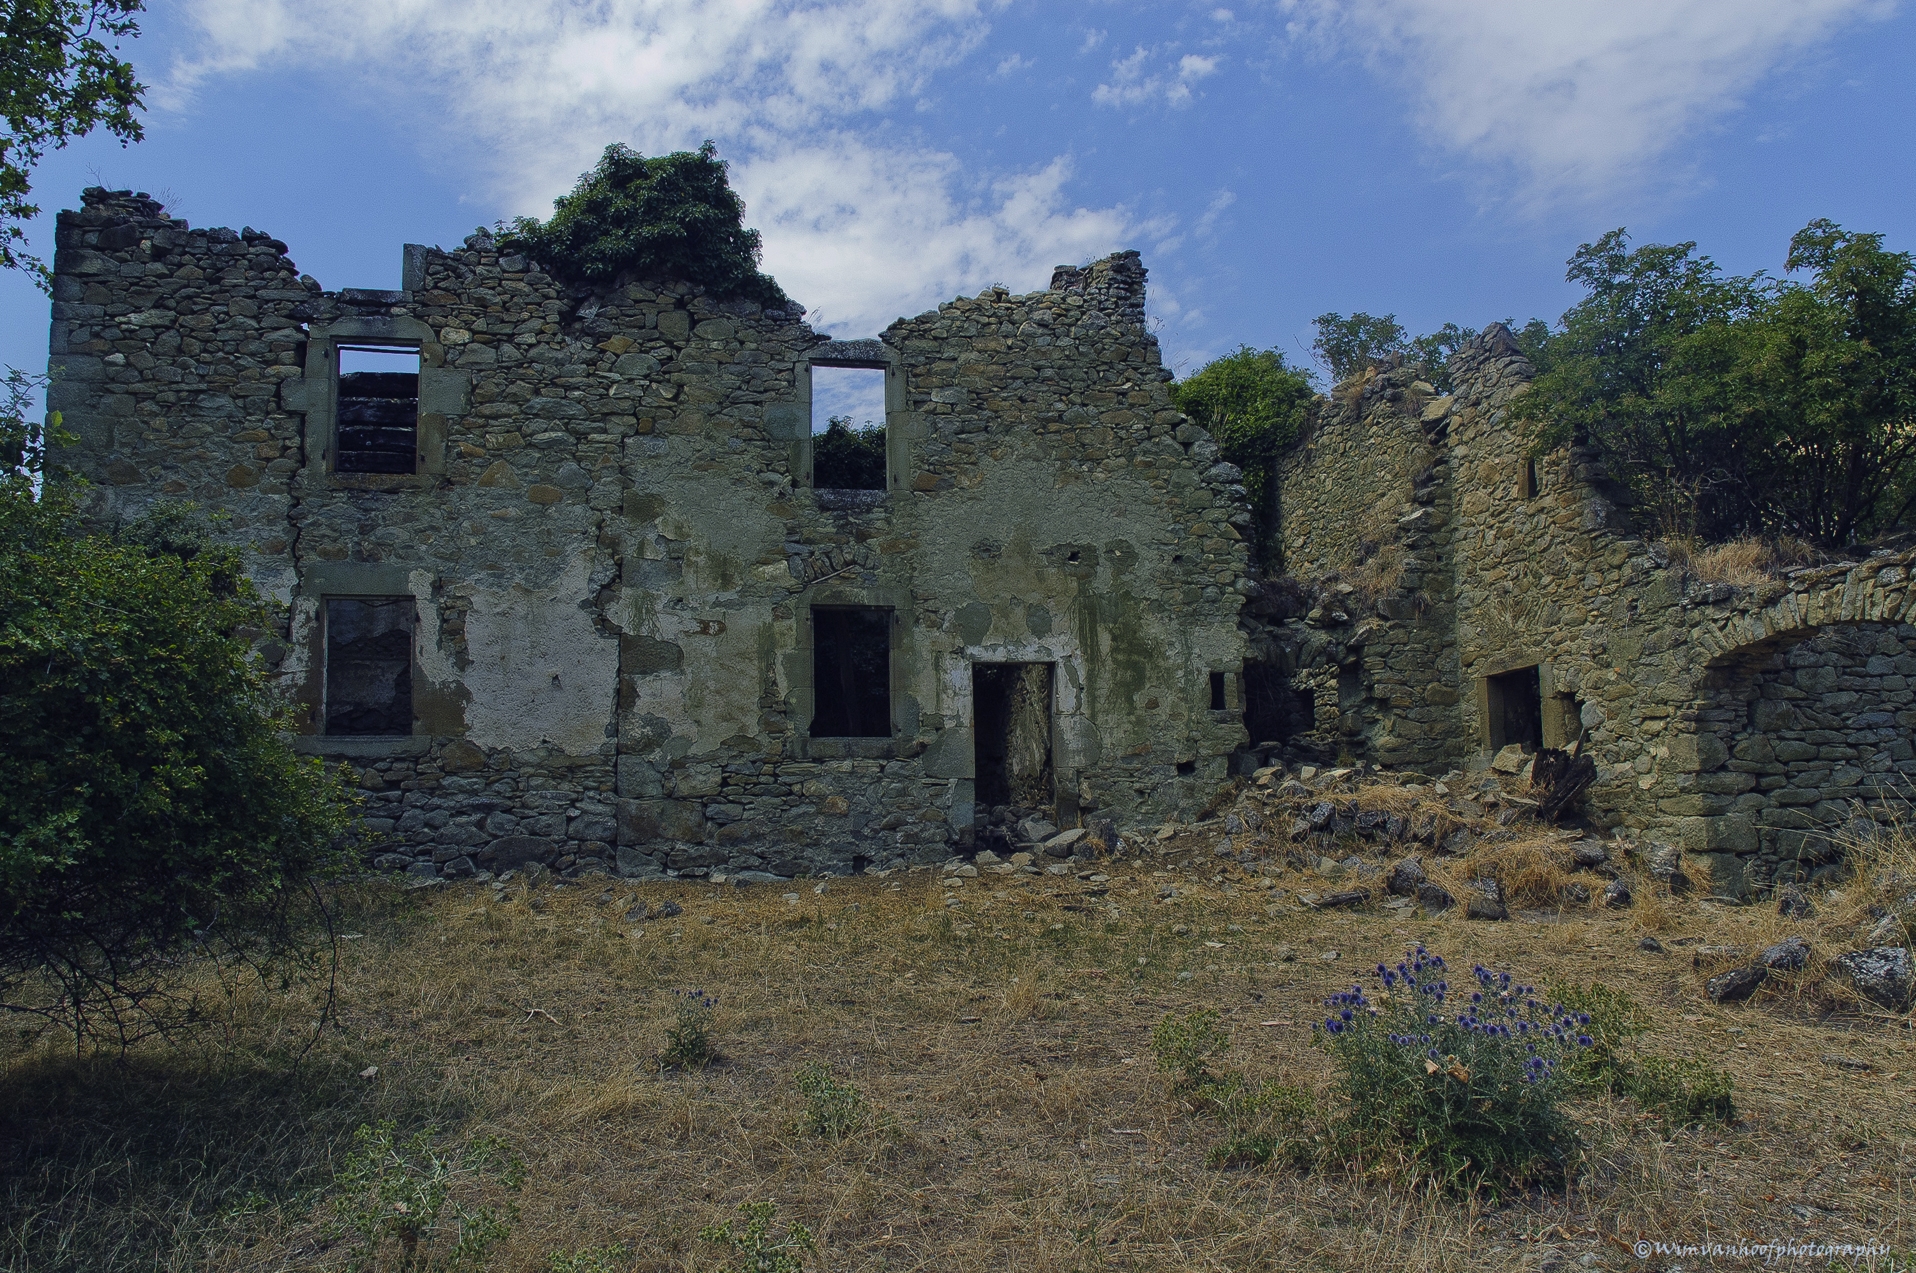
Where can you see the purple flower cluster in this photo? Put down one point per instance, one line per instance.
(1416, 990)
(696, 999)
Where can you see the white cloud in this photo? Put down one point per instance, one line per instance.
(533, 90)
(1134, 83)
(1015, 63)
(1577, 96)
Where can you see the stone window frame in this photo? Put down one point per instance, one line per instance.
(443, 393)
(1560, 725)
(802, 693)
(792, 422)
(344, 581)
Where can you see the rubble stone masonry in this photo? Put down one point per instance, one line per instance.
(614, 551)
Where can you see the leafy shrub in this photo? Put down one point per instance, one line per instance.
(1269, 1122)
(688, 1040)
(849, 459)
(1679, 1091)
(832, 1109)
(406, 1194)
(755, 1247)
(152, 813)
(1471, 1093)
(1683, 1091)
(672, 217)
(1185, 1046)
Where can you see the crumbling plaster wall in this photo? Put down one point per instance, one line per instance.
(614, 550)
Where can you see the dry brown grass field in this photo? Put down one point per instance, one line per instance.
(999, 1033)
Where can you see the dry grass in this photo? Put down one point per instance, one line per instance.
(1001, 1039)
(1742, 563)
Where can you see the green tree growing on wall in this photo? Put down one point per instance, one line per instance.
(1255, 405)
(60, 78)
(675, 216)
(1743, 405)
(152, 815)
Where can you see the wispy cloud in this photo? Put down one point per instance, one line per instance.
(1134, 81)
(1574, 98)
(532, 90)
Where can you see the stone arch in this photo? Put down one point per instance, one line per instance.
(1803, 743)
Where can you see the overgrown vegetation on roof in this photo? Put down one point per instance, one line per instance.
(673, 216)
(1254, 404)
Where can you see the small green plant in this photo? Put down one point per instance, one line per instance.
(1271, 1122)
(1185, 1046)
(833, 1109)
(753, 1249)
(593, 1259)
(407, 1194)
(1683, 1091)
(1679, 1091)
(688, 1040)
(1470, 1093)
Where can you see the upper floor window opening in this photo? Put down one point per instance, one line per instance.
(378, 409)
(848, 428)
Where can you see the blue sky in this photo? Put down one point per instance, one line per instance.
(1438, 159)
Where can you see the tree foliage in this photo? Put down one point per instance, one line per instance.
(60, 78)
(151, 813)
(1347, 344)
(671, 217)
(848, 458)
(1255, 405)
(1743, 405)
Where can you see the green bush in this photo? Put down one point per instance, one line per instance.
(1184, 1047)
(152, 814)
(406, 1195)
(1683, 1091)
(832, 1109)
(1678, 1091)
(688, 1040)
(1467, 1085)
(757, 1251)
(671, 217)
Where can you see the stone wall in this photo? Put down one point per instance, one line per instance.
(1748, 725)
(614, 549)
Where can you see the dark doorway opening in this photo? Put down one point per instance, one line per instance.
(1515, 703)
(851, 672)
(369, 666)
(1011, 729)
(1275, 710)
(378, 411)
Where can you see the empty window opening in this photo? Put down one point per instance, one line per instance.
(1011, 729)
(378, 413)
(1515, 703)
(1187, 768)
(369, 665)
(1218, 697)
(848, 428)
(1274, 709)
(1527, 483)
(851, 673)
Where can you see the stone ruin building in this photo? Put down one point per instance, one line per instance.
(561, 586)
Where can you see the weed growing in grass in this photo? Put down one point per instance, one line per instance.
(405, 1193)
(593, 1259)
(688, 1040)
(1185, 1047)
(1471, 1094)
(832, 1109)
(754, 1248)
(1679, 1091)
